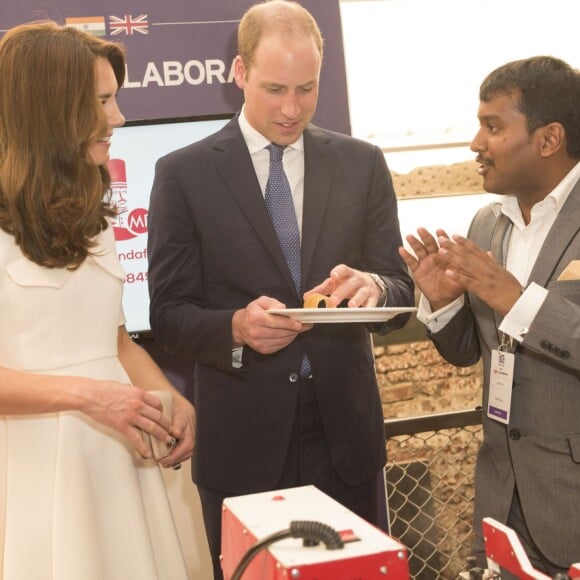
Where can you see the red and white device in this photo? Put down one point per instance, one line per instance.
(368, 552)
(504, 549)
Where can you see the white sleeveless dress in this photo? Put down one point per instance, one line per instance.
(75, 502)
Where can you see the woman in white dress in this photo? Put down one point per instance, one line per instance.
(81, 497)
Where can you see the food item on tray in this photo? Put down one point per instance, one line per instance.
(318, 301)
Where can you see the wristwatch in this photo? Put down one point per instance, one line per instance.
(382, 299)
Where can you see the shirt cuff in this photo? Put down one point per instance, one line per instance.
(518, 320)
(237, 357)
(382, 286)
(436, 321)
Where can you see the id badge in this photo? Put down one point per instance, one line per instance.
(500, 385)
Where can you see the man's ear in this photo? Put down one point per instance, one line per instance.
(553, 138)
(239, 72)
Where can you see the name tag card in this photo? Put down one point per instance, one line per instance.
(500, 386)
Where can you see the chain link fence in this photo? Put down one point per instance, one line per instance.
(430, 489)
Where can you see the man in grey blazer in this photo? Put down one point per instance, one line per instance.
(216, 268)
(510, 294)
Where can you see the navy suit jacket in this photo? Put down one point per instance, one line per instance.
(213, 249)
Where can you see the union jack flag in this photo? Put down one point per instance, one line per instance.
(128, 24)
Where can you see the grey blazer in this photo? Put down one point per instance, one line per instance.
(213, 249)
(539, 451)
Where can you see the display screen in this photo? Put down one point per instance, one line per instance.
(134, 152)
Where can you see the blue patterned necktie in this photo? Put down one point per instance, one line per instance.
(283, 215)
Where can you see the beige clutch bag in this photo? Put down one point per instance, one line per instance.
(160, 449)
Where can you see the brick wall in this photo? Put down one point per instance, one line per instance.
(456, 179)
(415, 380)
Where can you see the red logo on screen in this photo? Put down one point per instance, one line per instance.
(137, 221)
(128, 224)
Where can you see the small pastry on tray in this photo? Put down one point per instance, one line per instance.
(318, 301)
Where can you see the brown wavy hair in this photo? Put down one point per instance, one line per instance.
(53, 198)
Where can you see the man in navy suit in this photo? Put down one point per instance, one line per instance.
(217, 267)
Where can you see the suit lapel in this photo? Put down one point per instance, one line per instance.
(234, 164)
(318, 164)
(498, 247)
(500, 238)
(559, 237)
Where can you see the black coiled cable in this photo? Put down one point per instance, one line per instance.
(311, 532)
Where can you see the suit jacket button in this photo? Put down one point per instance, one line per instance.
(514, 434)
(293, 377)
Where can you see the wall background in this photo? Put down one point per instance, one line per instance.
(179, 53)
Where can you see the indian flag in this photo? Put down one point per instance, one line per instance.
(91, 24)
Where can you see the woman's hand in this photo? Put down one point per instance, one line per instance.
(183, 429)
(126, 409)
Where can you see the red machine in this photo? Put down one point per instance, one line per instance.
(503, 548)
(367, 553)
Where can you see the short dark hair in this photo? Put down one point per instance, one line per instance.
(550, 92)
